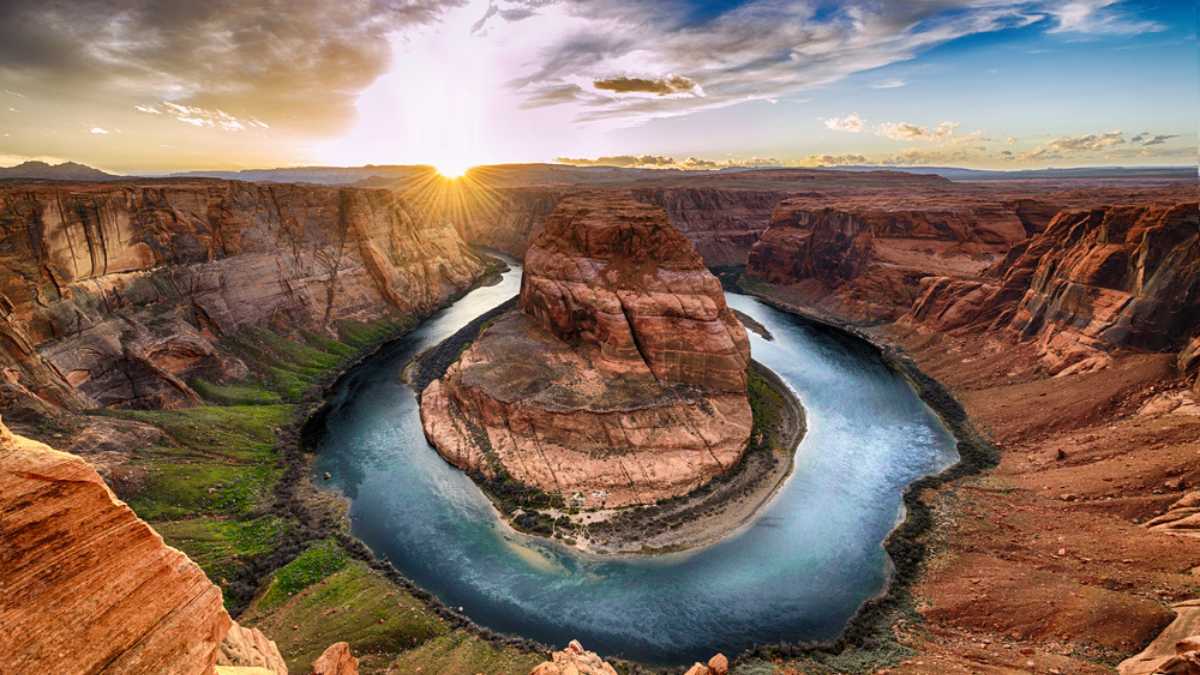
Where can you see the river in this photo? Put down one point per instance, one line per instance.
(798, 572)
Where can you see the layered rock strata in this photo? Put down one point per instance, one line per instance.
(117, 293)
(621, 378)
(87, 587)
(1092, 282)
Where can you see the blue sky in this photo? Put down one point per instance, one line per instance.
(124, 85)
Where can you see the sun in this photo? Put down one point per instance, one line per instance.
(452, 168)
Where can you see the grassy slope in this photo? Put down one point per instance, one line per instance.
(209, 493)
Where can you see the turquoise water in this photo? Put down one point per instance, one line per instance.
(797, 573)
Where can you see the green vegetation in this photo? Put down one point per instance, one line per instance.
(311, 566)
(767, 406)
(354, 604)
(219, 546)
(461, 653)
(235, 394)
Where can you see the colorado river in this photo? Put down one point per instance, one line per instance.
(798, 572)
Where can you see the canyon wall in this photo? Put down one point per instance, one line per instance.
(1093, 281)
(87, 586)
(722, 224)
(621, 378)
(116, 294)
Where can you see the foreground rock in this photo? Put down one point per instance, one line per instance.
(117, 294)
(86, 585)
(336, 660)
(621, 378)
(574, 660)
(1176, 651)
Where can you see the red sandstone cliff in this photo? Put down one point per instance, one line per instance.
(723, 224)
(621, 378)
(114, 294)
(1092, 282)
(87, 587)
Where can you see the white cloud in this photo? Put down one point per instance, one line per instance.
(893, 83)
(201, 117)
(1097, 17)
(1066, 146)
(904, 131)
(98, 131)
(851, 123)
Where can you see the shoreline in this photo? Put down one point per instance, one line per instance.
(712, 512)
(869, 627)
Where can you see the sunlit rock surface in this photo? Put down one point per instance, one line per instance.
(621, 378)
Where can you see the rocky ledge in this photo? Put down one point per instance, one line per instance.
(620, 379)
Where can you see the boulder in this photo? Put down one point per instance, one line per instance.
(336, 660)
(574, 660)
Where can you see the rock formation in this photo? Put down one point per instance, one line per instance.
(723, 224)
(117, 293)
(574, 660)
(336, 660)
(86, 586)
(1092, 282)
(621, 379)
(1176, 651)
(249, 648)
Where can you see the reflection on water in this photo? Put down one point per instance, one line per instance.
(799, 572)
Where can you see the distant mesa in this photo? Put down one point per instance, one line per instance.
(66, 171)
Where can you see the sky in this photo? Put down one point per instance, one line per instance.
(160, 85)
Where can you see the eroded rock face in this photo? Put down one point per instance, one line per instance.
(336, 660)
(723, 224)
(1092, 282)
(574, 660)
(1176, 651)
(249, 648)
(86, 586)
(621, 378)
(116, 293)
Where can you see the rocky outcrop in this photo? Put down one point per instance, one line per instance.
(249, 648)
(722, 224)
(86, 586)
(336, 660)
(717, 665)
(1176, 651)
(620, 380)
(1093, 281)
(117, 293)
(505, 219)
(574, 660)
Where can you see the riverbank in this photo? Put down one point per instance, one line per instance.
(1005, 560)
(708, 514)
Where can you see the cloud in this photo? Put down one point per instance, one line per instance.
(851, 123)
(620, 160)
(836, 160)
(98, 131)
(1097, 17)
(764, 49)
(672, 84)
(201, 117)
(1065, 146)
(666, 162)
(302, 62)
(893, 83)
(904, 131)
(1146, 138)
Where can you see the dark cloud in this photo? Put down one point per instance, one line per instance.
(674, 84)
(1146, 138)
(298, 63)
